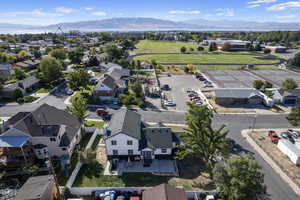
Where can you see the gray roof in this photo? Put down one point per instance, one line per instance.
(5, 66)
(127, 122)
(109, 82)
(28, 82)
(46, 121)
(35, 187)
(237, 93)
(164, 192)
(157, 137)
(294, 92)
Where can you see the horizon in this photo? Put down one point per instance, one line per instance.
(43, 13)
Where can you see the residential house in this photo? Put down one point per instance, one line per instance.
(238, 96)
(52, 132)
(128, 137)
(38, 188)
(111, 83)
(26, 85)
(5, 70)
(16, 150)
(286, 97)
(28, 64)
(164, 192)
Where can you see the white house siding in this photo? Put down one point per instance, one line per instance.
(53, 147)
(122, 146)
(75, 141)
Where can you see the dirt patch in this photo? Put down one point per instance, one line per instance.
(223, 109)
(101, 154)
(292, 170)
(174, 71)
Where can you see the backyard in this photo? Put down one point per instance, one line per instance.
(148, 46)
(206, 58)
(191, 177)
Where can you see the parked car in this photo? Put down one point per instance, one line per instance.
(285, 135)
(199, 103)
(169, 103)
(208, 86)
(102, 112)
(202, 79)
(293, 133)
(169, 75)
(69, 92)
(165, 87)
(273, 136)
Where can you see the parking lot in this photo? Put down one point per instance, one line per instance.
(245, 78)
(179, 85)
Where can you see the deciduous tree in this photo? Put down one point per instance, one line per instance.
(289, 84)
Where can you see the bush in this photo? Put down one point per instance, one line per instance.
(29, 99)
(17, 94)
(20, 100)
(267, 51)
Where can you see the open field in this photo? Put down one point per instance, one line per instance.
(223, 67)
(205, 58)
(148, 46)
(292, 170)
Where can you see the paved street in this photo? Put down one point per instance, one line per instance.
(277, 188)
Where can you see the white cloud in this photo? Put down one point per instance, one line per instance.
(35, 13)
(227, 12)
(99, 14)
(65, 10)
(88, 8)
(184, 12)
(283, 6)
(254, 6)
(262, 1)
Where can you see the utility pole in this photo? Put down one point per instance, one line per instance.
(50, 165)
(254, 122)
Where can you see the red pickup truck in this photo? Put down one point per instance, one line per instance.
(273, 136)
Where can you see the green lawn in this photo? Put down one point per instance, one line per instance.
(204, 58)
(96, 124)
(42, 90)
(149, 46)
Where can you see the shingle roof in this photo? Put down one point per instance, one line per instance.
(157, 137)
(35, 187)
(237, 93)
(28, 82)
(164, 192)
(127, 122)
(34, 123)
(109, 82)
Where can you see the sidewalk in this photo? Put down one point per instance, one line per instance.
(269, 160)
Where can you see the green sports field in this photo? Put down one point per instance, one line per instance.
(148, 46)
(204, 58)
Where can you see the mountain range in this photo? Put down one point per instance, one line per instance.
(152, 24)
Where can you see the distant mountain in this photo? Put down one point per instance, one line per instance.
(125, 24)
(243, 25)
(151, 24)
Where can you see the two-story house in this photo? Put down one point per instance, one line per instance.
(128, 137)
(51, 131)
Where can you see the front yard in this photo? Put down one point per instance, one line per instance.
(292, 170)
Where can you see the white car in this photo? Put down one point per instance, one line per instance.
(69, 92)
(169, 103)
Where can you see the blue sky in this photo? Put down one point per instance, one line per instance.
(44, 12)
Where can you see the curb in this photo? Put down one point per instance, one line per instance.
(270, 161)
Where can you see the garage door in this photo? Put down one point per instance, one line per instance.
(290, 101)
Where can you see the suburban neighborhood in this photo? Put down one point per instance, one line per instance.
(170, 111)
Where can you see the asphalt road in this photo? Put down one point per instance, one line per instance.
(276, 187)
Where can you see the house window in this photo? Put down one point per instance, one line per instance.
(64, 149)
(129, 142)
(130, 152)
(164, 150)
(52, 139)
(113, 142)
(115, 152)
